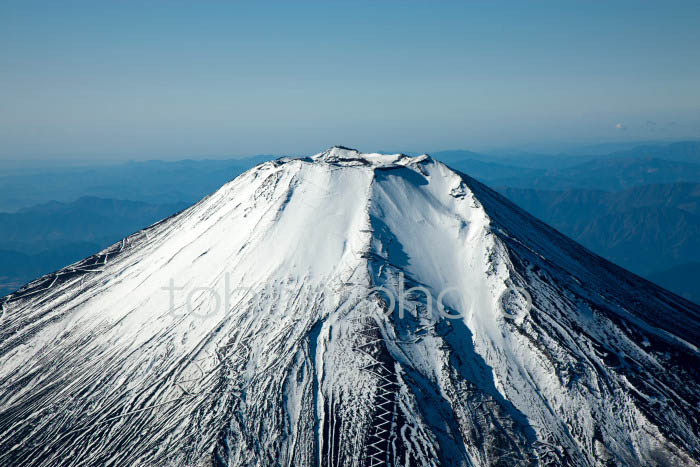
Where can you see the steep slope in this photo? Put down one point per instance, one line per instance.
(293, 318)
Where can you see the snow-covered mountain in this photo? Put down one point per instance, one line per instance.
(348, 309)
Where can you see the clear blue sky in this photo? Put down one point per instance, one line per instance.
(172, 79)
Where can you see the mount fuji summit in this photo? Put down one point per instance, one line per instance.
(348, 309)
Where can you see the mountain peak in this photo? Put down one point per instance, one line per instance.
(348, 156)
(348, 309)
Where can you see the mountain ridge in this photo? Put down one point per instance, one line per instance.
(318, 367)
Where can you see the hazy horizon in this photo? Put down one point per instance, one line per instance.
(176, 80)
(542, 148)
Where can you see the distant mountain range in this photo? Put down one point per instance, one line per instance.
(685, 151)
(155, 182)
(648, 229)
(44, 238)
(617, 171)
